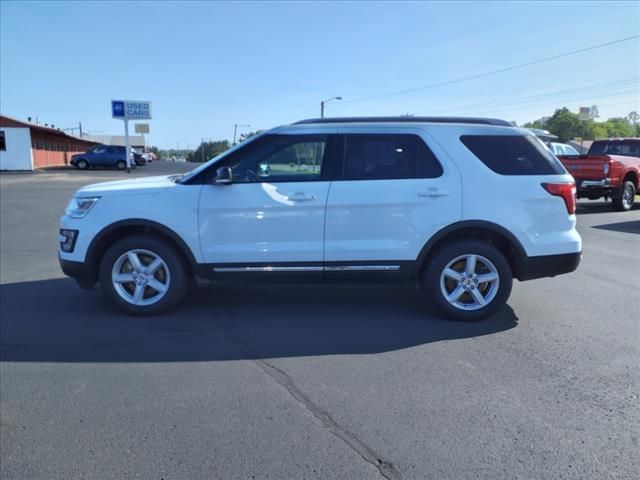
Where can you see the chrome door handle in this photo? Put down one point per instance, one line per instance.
(433, 192)
(300, 197)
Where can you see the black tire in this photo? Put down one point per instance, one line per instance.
(497, 291)
(177, 278)
(82, 164)
(121, 164)
(625, 198)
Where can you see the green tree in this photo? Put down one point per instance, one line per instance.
(619, 127)
(246, 136)
(634, 118)
(593, 130)
(172, 152)
(541, 123)
(568, 125)
(208, 150)
(565, 124)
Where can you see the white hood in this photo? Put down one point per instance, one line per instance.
(143, 185)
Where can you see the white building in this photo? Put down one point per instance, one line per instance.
(26, 146)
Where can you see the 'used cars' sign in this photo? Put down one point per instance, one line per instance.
(130, 109)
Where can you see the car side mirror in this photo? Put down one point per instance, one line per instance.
(224, 176)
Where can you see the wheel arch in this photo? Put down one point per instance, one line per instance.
(495, 234)
(115, 231)
(632, 176)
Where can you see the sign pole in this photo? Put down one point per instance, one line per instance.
(126, 144)
(126, 110)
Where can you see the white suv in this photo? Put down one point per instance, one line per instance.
(459, 206)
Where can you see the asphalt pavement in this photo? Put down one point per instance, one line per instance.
(314, 382)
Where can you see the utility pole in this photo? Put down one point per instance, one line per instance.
(80, 128)
(235, 130)
(202, 149)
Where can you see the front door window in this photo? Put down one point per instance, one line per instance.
(280, 158)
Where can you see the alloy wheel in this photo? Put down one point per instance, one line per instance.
(140, 277)
(469, 282)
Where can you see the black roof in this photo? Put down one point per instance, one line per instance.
(472, 120)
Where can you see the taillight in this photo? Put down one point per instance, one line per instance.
(565, 190)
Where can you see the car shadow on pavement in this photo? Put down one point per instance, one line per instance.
(586, 208)
(623, 227)
(54, 321)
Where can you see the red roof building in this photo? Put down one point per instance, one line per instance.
(27, 146)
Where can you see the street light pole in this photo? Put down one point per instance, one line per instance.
(326, 101)
(235, 130)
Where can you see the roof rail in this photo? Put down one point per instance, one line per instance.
(472, 120)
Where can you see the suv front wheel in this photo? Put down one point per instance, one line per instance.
(468, 280)
(143, 275)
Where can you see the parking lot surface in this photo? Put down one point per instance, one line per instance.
(304, 381)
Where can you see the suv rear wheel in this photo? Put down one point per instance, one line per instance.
(625, 198)
(121, 164)
(143, 275)
(468, 280)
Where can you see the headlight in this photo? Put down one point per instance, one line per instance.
(79, 206)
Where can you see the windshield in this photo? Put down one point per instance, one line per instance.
(219, 157)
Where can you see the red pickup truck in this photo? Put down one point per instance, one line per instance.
(610, 169)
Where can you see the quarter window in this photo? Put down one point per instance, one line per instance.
(388, 156)
(513, 154)
(3, 141)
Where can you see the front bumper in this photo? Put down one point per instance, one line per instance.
(547, 265)
(79, 271)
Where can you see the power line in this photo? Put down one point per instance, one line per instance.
(493, 72)
(296, 117)
(511, 108)
(566, 95)
(610, 86)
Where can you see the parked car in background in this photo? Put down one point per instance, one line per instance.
(337, 200)
(550, 140)
(610, 169)
(545, 135)
(138, 158)
(104, 156)
(562, 149)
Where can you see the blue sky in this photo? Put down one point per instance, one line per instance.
(208, 65)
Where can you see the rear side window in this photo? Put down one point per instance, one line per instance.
(388, 156)
(513, 154)
(629, 148)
